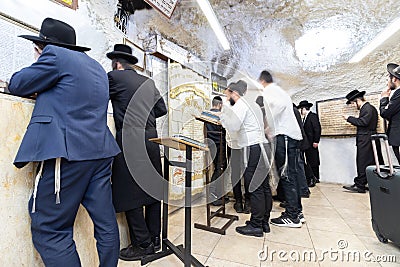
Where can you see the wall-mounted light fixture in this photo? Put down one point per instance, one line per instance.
(212, 19)
(384, 35)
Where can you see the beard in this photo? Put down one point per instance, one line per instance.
(231, 101)
(392, 86)
(114, 65)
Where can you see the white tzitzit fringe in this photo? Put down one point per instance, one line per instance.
(38, 176)
(57, 180)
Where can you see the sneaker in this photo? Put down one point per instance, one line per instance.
(135, 253)
(301, 218)
(286, 221)
(265, 227)
(355, 188)
(238, 206)
(250, 230)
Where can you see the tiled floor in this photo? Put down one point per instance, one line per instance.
(335, 219)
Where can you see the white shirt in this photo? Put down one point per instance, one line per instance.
(243, 123)
(279, 110)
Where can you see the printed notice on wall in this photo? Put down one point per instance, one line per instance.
(18, 52)
(166, 7)
(333, 124)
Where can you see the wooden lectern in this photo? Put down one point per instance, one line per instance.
(182, 252)
(221, 212)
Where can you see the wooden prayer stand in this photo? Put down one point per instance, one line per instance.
(168, 248)
(221, 212)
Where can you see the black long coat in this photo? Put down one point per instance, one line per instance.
(366, 125)
(134, 126)
(390, 110)
(312, 129)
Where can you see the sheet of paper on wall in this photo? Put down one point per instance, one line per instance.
(166, 7)
(19, 51)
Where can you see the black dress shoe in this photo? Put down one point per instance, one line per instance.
(354, 188)
(250, 230)
(265, 227)
(305, 195)
(238, 206)
(247, 206)
(135, 253)
(157, 243)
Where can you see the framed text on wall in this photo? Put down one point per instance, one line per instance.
(330, 113)
(138, 53)
(69, 3)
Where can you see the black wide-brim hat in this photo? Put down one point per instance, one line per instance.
(353, 95)
(305, 104)
(123, 51)
(394, 70)
(240, 87)
(57, 33)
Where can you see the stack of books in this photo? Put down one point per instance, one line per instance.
(189, 140)
(209, 116)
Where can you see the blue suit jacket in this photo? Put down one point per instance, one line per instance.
(70, 115)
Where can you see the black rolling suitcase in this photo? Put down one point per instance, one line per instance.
(384, 193)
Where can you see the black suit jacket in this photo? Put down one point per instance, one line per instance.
(128, 88)
(390, 110)
(312, 129)
(367, 120)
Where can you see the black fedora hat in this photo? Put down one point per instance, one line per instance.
(240, 87)
(57, 33)
(123, 51)
(394, 70)
(353, 95)
(305, 104)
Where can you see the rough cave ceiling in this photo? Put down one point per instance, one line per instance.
(306, 44)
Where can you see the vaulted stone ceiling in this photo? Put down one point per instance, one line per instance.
(306, 44)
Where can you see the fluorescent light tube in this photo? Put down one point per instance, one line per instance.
(391, 29)
(212, 19)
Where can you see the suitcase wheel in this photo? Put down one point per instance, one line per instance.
(380, 237)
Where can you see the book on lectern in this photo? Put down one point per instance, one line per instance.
(189, 140)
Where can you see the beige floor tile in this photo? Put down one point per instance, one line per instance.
(321, 201)
(239, 249)
(214, 262)
(290, 236)
(318, 212)
(361, 227)
(173, 261)
(349, 213)
(203, 242)
(326, 240)
(332, 224)
(122, 263)
(387, 254)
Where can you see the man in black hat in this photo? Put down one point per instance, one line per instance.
(390, 107)
(366, 124)
(247, 124)
(68, 134)
(312, 129)
(136, 104)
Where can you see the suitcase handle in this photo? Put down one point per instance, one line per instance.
(377, 137)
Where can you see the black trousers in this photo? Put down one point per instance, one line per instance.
(256, 180)
(289, 183)
(219, 162)
(144, 225)
(236, 163)
(364, 158)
